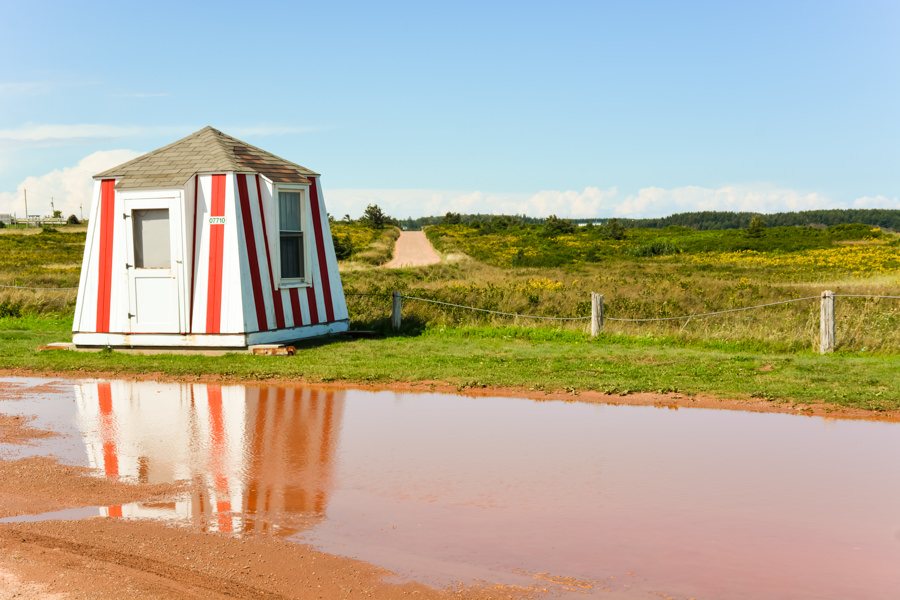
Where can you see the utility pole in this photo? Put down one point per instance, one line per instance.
(52, 207)
(25, 192)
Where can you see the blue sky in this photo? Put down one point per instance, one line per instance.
(569, 108)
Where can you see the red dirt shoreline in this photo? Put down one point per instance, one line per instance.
(669, 400)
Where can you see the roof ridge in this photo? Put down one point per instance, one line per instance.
(243, 143)
(205, 150)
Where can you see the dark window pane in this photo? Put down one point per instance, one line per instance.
(291, 256)
(289, 210)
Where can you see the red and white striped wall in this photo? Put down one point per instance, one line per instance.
(224, 247)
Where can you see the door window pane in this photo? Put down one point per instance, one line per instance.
(151, 238)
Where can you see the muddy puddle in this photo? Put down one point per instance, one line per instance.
(445, 489)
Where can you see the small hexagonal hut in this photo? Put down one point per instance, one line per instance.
(208, 242)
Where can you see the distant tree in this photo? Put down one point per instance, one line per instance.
(72, 220)
(57, 214)
(756, 226)
(553, 226)
(451, 218)
(613, 230)
(374, 217)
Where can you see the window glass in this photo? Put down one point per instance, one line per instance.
(151, 238)
(291, 234)
(289, 205)
(291, 257)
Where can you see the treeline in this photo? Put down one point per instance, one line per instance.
(700, 221)
(714, 220)
(411, 224)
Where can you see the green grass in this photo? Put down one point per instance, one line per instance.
(524, 245)
(540, 359)
(643, 278)
(40, 259)
(369, 246)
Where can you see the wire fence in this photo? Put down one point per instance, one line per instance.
(620, 319)
(21, 287)
(710, 314)
(827, 315)
(623, 320)
(495, 312)
(826, 320)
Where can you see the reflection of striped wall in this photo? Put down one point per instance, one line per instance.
(294, 439)
(249, 451)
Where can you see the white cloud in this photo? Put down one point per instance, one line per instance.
(67, 133)
(16, 88)
(32, 134)
(416, 203)
(659, 202)
(876, 202)
(590, 202)
(143, 95)
(70, 187)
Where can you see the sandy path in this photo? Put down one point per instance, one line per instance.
(413, 250)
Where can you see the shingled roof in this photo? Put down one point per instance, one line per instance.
(206, 151)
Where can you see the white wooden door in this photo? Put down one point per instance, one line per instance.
(153, 241)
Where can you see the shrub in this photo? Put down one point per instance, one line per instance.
(554, 226)
(381, 250)
(657, 248)
(10, 309)
(612, 230)
(756, 227)
(343, 246)
(72, 220)
(853, 231)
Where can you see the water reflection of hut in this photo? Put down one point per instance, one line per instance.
(207, 242)
(248, 451)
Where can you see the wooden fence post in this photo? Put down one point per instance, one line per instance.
(826, 323)
(396, 316)
(596, 314)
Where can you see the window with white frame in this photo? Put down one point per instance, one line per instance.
(292, 236)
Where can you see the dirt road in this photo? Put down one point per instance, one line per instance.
(413, 250)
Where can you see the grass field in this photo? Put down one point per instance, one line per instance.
(362, 245)
(715, 355)
(854, 260)
(530, 359)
